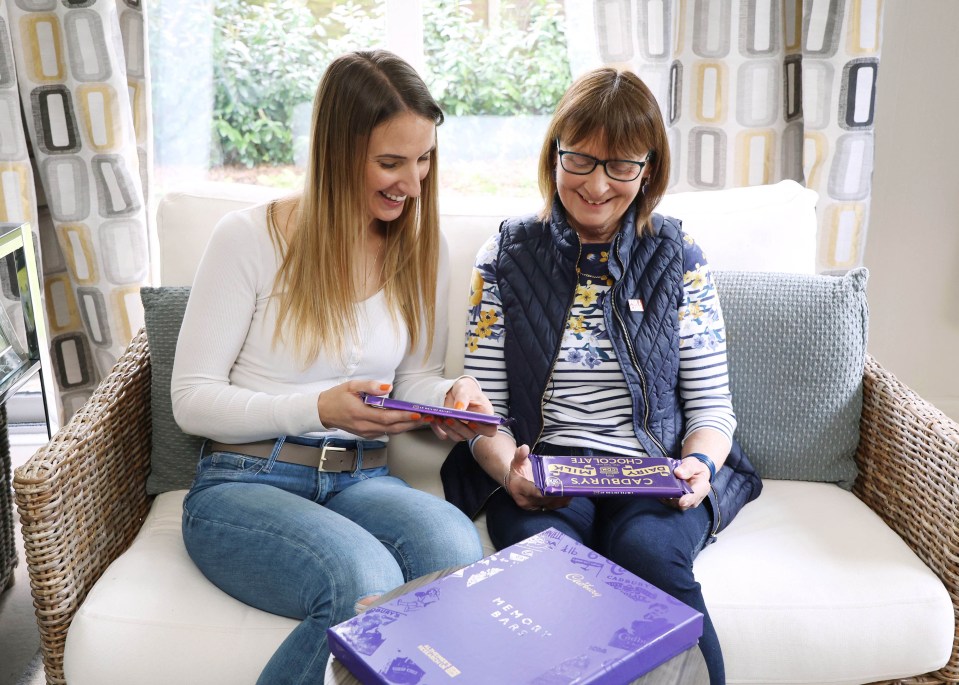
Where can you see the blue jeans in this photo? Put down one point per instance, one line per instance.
(651, 539)
(297, 542)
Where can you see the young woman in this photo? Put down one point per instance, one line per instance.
(297, 308)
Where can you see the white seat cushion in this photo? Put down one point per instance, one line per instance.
(808, 585)
(162, 622)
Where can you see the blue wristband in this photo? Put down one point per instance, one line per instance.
(707, 461)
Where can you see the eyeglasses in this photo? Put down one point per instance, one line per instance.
(583, 165)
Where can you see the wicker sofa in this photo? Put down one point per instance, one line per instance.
(105, 559)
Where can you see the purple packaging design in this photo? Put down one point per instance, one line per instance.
(385, 402)
(610, 475)
(545, 611)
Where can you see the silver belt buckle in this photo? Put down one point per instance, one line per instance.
(332, 448)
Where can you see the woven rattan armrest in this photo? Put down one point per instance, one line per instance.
(82, 497)
(908, 461)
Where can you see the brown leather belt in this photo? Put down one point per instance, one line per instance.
(329, 458)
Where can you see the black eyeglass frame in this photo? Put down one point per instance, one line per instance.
(640, 165)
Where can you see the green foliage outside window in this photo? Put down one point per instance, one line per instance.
(512, 70)
(269, 57)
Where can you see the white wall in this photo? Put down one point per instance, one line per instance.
(912, 248)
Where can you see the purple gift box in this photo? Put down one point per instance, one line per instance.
(608, 475)
(545, 611)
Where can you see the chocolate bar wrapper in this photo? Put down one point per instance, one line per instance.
(545, 611)
(595, 476)
(385, 402)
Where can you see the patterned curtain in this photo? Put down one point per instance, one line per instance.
(74, 160)
(755, 91)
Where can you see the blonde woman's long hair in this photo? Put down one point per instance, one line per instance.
(315, 287)
(616, 106)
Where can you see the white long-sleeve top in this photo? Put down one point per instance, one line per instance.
(232, 384)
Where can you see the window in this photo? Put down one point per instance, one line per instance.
(246, 70)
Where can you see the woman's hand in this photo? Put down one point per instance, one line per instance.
(519, 485)
(342, 407)
(696, 473)
(467, 395)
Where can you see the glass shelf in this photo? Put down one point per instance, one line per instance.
(24, 347)
(24, 352)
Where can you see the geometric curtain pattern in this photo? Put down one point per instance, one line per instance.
(77, 73)
(756, 91)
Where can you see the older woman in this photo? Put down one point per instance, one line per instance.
(596, 326)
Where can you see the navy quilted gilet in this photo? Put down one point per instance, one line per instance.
(536, 276)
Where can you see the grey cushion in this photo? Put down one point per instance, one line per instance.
(174, 454)
(797, 347)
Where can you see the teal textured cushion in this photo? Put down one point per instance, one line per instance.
(797, 347)
(173, 454)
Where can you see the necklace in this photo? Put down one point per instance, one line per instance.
(372, 269)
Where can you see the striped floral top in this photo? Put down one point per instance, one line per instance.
(587, 403)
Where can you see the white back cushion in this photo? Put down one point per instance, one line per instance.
(760, 228)
(185, 220)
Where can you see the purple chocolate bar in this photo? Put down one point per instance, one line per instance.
(612, 475)
(385, 402)
(544, 611)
